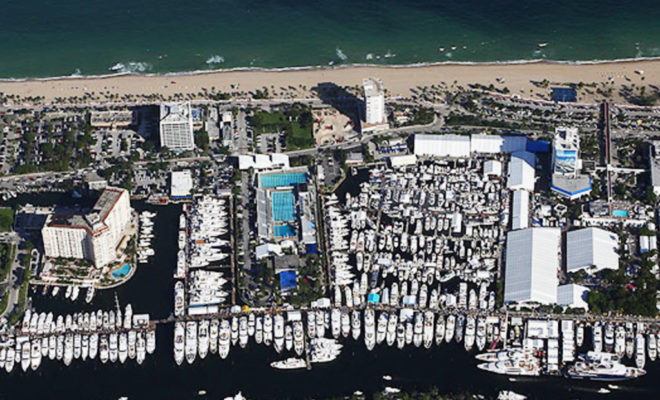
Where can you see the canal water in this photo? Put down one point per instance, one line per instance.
(448, 367)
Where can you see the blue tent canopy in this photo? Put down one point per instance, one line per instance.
(288, 280)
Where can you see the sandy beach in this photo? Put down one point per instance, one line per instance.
(517, 78)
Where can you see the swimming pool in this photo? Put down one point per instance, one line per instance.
(284, 231)
(619, 213)
(279, 180)
(283, 207)
(121, 272)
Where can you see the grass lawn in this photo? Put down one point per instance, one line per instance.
(6, 219)
(6, 258)
(298, 135)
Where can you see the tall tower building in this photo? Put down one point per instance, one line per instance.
(176, 126)
(374, 99)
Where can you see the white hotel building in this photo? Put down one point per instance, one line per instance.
(176, 126)
(93, 236)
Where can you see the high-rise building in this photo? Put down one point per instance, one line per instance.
(94, 235)
(567, 181)
(176, 126)
(565, 152)
(374, 99)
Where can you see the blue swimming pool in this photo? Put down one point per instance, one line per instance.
(283, 206)
(279, 180)
(619, 213)
(121, 272)
(284, 231)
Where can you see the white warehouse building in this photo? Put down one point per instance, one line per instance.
(521, 173)
(520, 210)
(591, 248)
(572, 295)
(532, 262)
(442, 145)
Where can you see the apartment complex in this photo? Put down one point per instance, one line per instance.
(94, 235)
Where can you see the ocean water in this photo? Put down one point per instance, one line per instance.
(42, 38)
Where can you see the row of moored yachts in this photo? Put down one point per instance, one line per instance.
(78, 336)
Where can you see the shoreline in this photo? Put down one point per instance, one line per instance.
(401, 81)
(335, 67)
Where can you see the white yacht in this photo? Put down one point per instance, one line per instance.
(191, 341)
(369, 329)
(355, 324)
(259, 330)
(289, 363)
(35, 356)
(288, 337)
(142, 347)
(203, 338)
(279, 332)
(268, 329)
(345, 324)
(89, 295)
(515, 367)
(429, 319)
(470, 330)
(179, 303)
(77, 346)
(85, 347)
(450, 328)
(213, 336)
(298, 337)
(381, 328)
(598, 366)
(26, 358)
(224, 339)
(93, 345)
(103, 348)
(151, 341)
(391, 329)
(418, 329)
(640, 349)
(123, 347)
(234, 330)
(132, 344)
(439, 329)
(179, 342)
(335, 317)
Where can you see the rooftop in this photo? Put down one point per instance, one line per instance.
(373, 87)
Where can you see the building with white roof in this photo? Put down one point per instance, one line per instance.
(520, 210)
(493, 144)
(374, 100)
(492, 168)
(442, 145)
(176, 126)
(654, 165)
(532, 262)
(566, 165)
(403, 160)
(521, 173)
(181, 184)
(591, 248)
(572, 295)
(263, 161)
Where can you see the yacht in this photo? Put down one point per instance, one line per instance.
(460, 323)
(609, 337)
(191, 341)
(123, 347)
(620, 341)
(68, 349)
(439, 330)
(103, 348)
(651, 346)
(85, 347)
(52, 347)
(60, 347)
(418, 329)
(391, 329)
(505, 354)
(251, 324)
(89, 295)
(77, 346)
(151, 341)
(311, 323)
(35, 356)
(224, 339)
(10, 359)
(93, 345)
(203, 338)
(26, 359)
(598, 337)
(429, 319)
(179, 303)
(268, 329)
(335, 317)
(355, 324)
(345, 324)
(381, 328)
(470, 330)
(142, 347)
(288, 337)
(298, 337)
(640, 349)
(598, 366)
(400, 335)
(259, 330)
(481, 333)
(515, 367)
(242, 332)
(450, 328)
(128, 316)
(132, 344)
(179, 332)
(234, 330)
(369, 329)
(289, 363)
(579, 335)
(75, 292)
(278, 332)
(213, 336)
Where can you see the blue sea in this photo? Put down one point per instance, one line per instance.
(42, 38)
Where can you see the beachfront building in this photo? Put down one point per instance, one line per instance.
(532, 263)
(654, 165)
(593, 249)
(374, 105)
(94, 235)
(176, 126)
(374, 100)
(567, 181)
